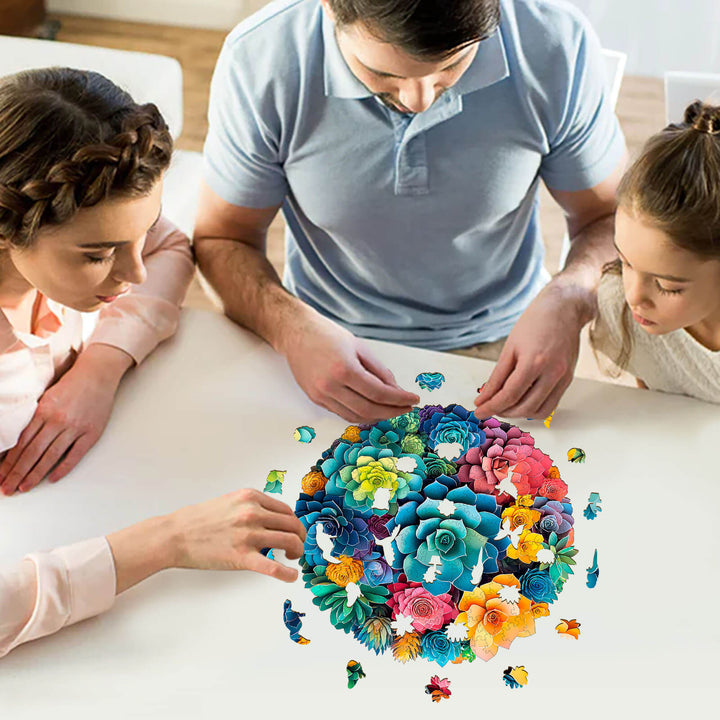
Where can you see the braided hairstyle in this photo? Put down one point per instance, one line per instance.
(675, 186)
(68, 140)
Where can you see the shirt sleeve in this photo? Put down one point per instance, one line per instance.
(587, 143)
(139, 321)
(48, 591)
(241, 157)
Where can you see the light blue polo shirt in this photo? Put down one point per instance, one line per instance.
(419, 229)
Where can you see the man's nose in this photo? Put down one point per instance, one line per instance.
(417, 95)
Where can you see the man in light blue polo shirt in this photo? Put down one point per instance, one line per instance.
(405, 143)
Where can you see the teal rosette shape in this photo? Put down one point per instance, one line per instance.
(453, 424)
(445, 535)
(346, 611)
(436, 647)
(357, 473)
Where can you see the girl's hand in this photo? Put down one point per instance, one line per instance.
(69, 419)
(226, 533)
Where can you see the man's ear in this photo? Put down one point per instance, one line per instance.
(328, 9)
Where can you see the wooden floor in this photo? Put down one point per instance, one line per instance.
(640, 109)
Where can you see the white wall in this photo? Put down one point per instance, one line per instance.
(657, 35)
(215, 14)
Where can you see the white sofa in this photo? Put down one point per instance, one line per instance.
(148, 78)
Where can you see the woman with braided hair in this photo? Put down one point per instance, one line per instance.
(83, 242)
(80, 231)
(659, 302)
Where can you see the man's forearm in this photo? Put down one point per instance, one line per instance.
(249, 288)
(590, 249)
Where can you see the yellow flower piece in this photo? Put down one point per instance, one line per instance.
(521, 516)
(371, 475)
(348, 570)
(554, 473)
(524, 501)
(351, 434)
(313, 482)
(538, 610)
(528, 546)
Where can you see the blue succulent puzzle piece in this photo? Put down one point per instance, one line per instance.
(293, 623)
(593, 506)
(304, 434)
(593, 572)
(430, 380)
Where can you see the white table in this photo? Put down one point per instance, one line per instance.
(214, 409)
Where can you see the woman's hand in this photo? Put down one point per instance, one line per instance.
(226, 533)
(69, 419)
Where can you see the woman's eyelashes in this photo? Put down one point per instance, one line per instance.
(100, 258)
(666, 291)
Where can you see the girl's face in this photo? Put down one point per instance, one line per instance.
(91, 260)
(666, 287)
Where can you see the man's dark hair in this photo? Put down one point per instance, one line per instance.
(422, 28)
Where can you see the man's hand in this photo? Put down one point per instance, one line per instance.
(69, 419)
(538, 360)
(338, 372)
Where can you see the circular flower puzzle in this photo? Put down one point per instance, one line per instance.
(436, 535)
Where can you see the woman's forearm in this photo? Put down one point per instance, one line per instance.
(142, 550)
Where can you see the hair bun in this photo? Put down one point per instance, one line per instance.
(703, 117)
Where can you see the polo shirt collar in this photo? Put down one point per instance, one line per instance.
(339, 79)
(489, 66)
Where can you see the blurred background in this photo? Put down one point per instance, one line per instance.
(656, 35)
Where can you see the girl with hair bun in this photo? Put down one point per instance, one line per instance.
(659, 302)
(81, 168)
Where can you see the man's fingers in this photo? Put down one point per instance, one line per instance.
(49, 459)
(370, 385)
(515, 388)
(260, 564)
(504, 368)
(75, 455)
(366, 410)
(553, 399)
(373, 365)
(29, 457)
(335, 406)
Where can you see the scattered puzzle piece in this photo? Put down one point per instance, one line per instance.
(430, 380)
(293, 623)
(515, 677)
(569, 628)
(576, 455)
(593, 506)
(268, 553)
(438, 689)
(304, 434)
(355, 672)
(548, 419)
(274, 481)
(593, 572)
